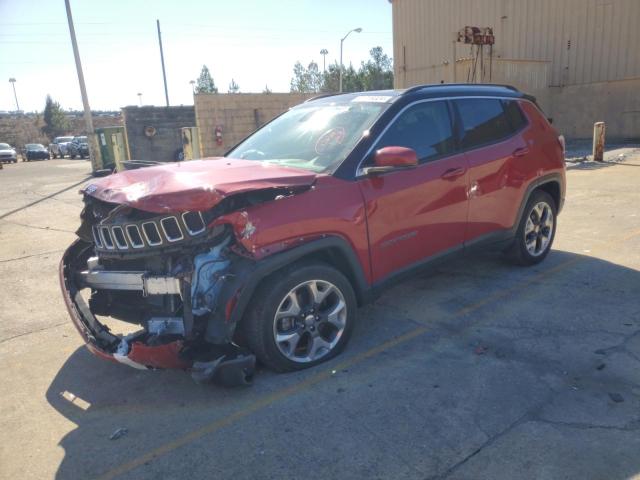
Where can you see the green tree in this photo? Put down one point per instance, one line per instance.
(205, 83)
(234, 87)
(55, 121)
(377, 73)
(306, 80)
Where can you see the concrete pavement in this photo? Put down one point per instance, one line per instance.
(478, 370)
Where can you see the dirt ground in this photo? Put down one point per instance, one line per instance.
(479, 370)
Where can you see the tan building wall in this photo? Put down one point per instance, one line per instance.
(584, 40)
(237, 115)
(579, 57)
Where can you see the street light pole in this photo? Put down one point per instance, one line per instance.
(193, 86)
(140, 98)
(324, 53)
(94, 149)
(13, 83)
(357, 30)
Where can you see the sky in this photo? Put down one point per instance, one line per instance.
(255, 42)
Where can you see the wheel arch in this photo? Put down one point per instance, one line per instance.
(331, 250)
(551, 184)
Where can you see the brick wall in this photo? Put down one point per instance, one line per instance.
(167, 122)
(238, 115)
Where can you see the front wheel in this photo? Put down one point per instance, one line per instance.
(536, 230)
(300, 317)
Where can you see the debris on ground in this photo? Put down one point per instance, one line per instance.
(601, 366)
(120, 432)
(616, 397)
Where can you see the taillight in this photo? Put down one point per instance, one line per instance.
(562, 144)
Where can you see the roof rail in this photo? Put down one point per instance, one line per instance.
(322, 95)
(433, 85)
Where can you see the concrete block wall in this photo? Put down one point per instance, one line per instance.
(167, 121)
(238, 115)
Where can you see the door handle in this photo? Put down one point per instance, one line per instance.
(520, 152)
(453, 173)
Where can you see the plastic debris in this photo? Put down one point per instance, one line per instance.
(120, 432)
(616, 397)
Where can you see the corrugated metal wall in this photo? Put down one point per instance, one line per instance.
(584, 41)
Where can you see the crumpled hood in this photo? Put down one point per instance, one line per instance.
(193, 185)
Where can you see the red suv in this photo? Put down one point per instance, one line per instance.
(268, 251)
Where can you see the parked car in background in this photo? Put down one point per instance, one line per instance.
(274, 246)
(35, 151)
(78, 147)
(8, 153)
(58, 148)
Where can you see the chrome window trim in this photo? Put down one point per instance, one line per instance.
(164, 230)
(359, 170)
(115, 238)
(151, 244)
(186, 225)
(126, 229)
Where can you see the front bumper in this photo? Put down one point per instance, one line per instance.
(226, 364)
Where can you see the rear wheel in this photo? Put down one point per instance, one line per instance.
(536, 230)
(300, 317)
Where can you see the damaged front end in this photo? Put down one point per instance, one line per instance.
(172, 275)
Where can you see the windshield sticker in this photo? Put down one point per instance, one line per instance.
(373, 98)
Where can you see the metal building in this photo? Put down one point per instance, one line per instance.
(566, 52)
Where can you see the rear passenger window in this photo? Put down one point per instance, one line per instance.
(483, 121)
(425, 127)
(516, 118)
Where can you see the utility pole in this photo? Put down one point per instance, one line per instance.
(12, 81)
(164, 74)
(94, 149)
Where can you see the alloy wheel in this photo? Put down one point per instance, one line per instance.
(310, 321)
(538, 229)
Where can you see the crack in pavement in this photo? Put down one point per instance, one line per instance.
(53, 229)
(47, 197)
(48, 327)
(32, 255)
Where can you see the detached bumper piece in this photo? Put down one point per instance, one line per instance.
(162, 344)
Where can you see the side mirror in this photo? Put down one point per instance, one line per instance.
(391, 158)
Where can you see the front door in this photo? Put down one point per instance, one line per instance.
(416, 214)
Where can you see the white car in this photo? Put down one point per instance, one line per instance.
(8, 153)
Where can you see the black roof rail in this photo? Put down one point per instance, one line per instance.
(433, 85)
(322, 95)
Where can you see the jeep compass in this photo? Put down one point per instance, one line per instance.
(268, 251)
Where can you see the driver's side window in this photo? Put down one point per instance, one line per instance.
(424, 127)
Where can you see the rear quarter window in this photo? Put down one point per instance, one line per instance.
(516, 118)
(484, 121)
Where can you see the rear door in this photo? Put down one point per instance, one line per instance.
(489, 137)
(421, 212)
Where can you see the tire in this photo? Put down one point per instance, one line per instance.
(317, 338)
(536, 230)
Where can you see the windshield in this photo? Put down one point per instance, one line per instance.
(34, 146)
(63, 139)
(4, 146)
(311, 137)
(80, 139)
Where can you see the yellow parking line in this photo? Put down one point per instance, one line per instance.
(257, 405)
(317, 378)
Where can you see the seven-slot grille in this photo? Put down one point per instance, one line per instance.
(148, 233)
